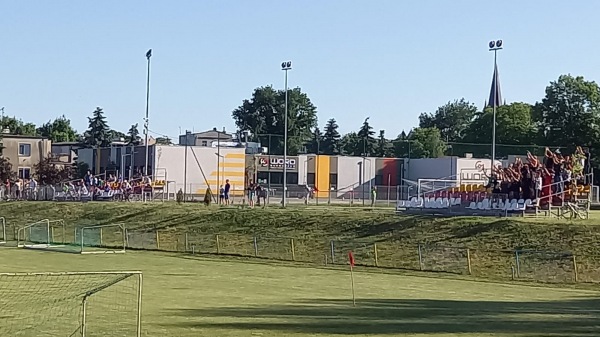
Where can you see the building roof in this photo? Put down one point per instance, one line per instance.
(8, 135)
(214, 133)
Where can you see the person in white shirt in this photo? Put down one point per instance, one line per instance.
(538, 185)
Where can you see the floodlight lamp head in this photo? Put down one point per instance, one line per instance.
(492, 44)
(499, 43)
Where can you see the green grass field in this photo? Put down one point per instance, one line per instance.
(187, 296)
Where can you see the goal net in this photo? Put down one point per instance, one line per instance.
(101, 239)
(2, 230)
(43, 234)
(106, 304)
(53, 235)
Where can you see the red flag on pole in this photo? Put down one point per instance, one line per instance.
(351, 258)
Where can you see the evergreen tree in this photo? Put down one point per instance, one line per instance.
(367, 141)
(98, 133)
(331, 139)
(384, 147)
(133, 135)
(314, 146)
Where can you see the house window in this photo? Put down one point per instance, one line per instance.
(204, 143)
(24, 150)
(24, 172)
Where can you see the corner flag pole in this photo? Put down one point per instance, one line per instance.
(351, 259)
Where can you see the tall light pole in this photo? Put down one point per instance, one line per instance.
(148, 56)
(494, 46)
(285, 66)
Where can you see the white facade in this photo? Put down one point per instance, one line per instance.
(351, 176)
(203, 167)
(462, 170)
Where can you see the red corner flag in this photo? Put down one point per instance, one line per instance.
(351, 260)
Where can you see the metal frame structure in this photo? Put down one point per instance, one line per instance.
(124, 275)
(101, 227)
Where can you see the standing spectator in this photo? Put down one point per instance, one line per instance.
(258, 191)
(538, 184)
(250, 194)
(18, 189)
(226, 192)
(221, 195)
(373, 195)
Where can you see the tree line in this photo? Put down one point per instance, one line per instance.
(98, 134)
(566, 116)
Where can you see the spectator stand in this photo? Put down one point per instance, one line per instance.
(566, 200)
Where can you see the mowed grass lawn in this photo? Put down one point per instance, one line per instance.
(187, 296)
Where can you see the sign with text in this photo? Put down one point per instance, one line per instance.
(277, 162)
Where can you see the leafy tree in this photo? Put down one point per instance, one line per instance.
(133, 135)
(383, 147)
(6, 170)
(426, 143)
(163, 141)
(514, 125)
(569, 114)
(47, 172)
(98, 133)
(367, 139)
(263, 114)
(331, 139)
(81, 169)
(115, 135)
(58, 130)
(452, 119)
(18, 127)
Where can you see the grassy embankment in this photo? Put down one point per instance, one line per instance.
(491, 241)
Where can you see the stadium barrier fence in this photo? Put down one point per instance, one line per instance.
(525, 265)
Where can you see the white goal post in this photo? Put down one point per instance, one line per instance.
(101, 239)
(42, 234)
(3, 238)
(71, 304)
(52, 235)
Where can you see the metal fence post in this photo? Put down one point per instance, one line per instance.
(469, 261)
(420, 258)
(293, 249)
(217, 243)
(332, 252)
(100, 236)
(517, 264)
(575, 272)
(255, 246)
(187, 242)
(126, 238)
(157, 240)
(375, 253)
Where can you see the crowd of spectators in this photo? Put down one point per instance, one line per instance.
(555, 178)
(92, 187)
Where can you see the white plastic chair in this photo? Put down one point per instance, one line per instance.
(472, 205)
(457, 202)
(480, 205)
(485, 204)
